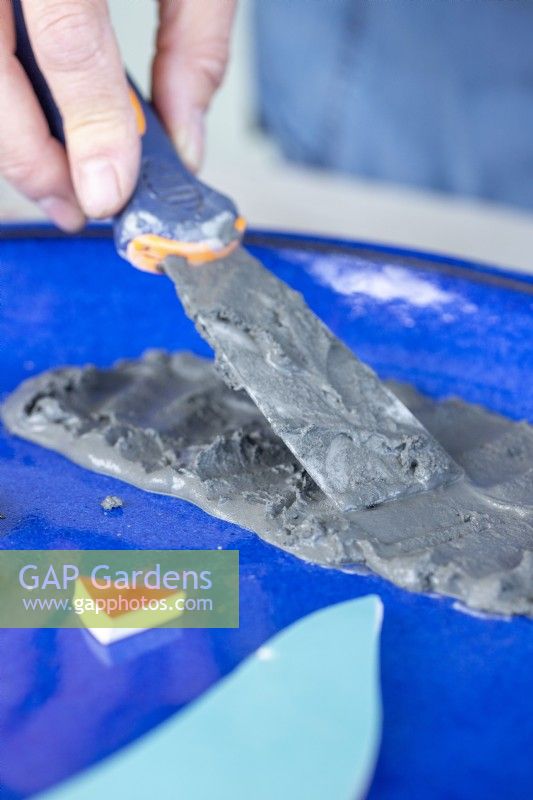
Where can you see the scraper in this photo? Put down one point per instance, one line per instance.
(354, 437)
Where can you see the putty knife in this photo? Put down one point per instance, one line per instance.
(355, 438)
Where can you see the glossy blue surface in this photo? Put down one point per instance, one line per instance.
(457, 690)
(324, 744)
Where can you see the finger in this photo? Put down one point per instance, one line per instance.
(192, 53)
(30, 159)
(76, 49)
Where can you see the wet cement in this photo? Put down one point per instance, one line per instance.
(169, 424)
(357, 441)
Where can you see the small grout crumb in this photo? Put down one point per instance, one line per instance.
(111, 502)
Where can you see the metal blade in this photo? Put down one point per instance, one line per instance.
(355, 438)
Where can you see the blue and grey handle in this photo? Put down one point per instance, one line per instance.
(170, 212)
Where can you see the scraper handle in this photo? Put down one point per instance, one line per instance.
(25, 55)
(170, 212)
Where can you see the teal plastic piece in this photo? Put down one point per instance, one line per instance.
(300, 718)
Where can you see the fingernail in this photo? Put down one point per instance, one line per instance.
(187, 144)
(98, 187)
(66, 215)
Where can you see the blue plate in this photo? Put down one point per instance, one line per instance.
(457, 689)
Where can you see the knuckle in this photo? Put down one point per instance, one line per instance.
(212, 69)
(110, 123)
(211, 60)
(70, 35)
(18, 167)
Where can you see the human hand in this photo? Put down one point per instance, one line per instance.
(76, 49)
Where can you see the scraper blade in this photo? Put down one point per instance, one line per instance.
(355, 438)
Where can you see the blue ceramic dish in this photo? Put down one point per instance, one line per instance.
(457, 689)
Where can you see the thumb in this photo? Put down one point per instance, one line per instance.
(191, 55)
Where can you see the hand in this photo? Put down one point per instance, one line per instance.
(77, 51)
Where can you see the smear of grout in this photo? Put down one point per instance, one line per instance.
(169, 424)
